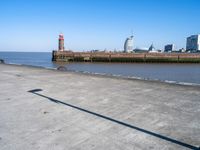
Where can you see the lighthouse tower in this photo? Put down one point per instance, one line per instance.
(61, 43)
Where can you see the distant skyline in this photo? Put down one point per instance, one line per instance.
(34, 25)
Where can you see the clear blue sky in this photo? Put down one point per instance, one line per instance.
(34, 25)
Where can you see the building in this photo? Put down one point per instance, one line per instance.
(128, 45)
(169, 48)
(141, 50)
(152, 49)
(61, 43)
(193, 43)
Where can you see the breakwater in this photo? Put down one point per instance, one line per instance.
(69, 56)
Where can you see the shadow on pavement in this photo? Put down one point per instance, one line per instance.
(117, 121)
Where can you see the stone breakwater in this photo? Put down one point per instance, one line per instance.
(48, 109)
(69, 56)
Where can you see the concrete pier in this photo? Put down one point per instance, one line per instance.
(46, 109)
(70, 56)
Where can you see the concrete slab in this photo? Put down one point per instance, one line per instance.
(76, 111)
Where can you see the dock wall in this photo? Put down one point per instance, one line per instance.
(68, 56)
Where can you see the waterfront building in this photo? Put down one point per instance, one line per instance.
(141, 50)
(61, 43)
(152, 49)
(169, 48)
(193, 43)
(183, 50)
(128, 45)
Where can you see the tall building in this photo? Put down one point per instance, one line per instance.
(169, 48)
(128, 45)
(193, 43)
(61, 43)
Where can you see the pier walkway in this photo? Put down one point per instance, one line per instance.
(46, 109)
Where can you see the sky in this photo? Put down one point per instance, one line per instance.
(34, 25)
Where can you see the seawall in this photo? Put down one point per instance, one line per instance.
(69, 56)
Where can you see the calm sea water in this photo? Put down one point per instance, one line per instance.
(181, 73)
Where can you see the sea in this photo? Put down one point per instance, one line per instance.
(188, 74)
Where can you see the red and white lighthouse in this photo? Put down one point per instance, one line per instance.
(61, 43)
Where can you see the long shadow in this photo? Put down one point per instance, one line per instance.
(117, 121)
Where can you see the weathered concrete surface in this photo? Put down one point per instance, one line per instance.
(156, 114)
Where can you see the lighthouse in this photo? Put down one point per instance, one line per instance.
(61, 43)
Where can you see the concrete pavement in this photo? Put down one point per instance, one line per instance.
(46, 109)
